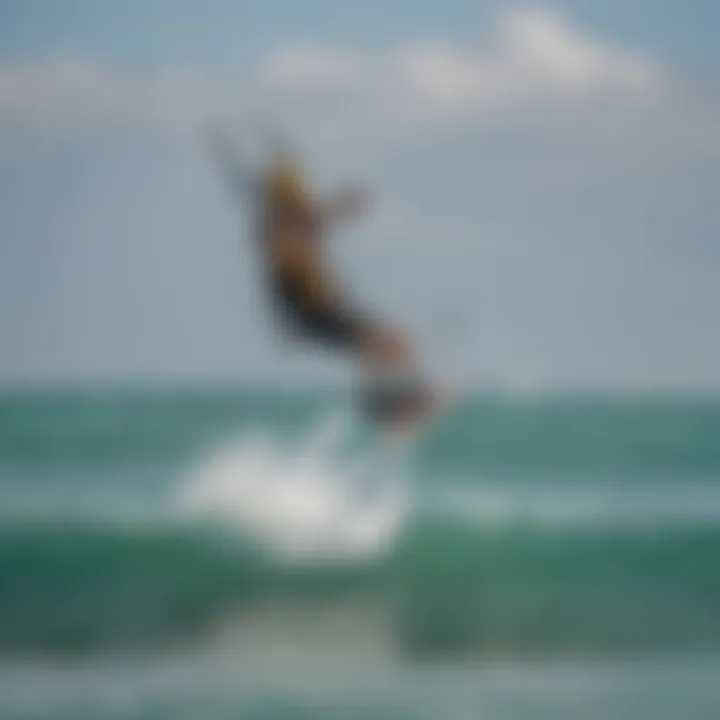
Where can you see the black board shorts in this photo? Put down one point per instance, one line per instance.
(334, 324)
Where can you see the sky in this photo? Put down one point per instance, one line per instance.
(545, 181)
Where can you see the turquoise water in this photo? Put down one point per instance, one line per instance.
(190, 554)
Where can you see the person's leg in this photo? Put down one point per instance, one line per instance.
(383, 349)
(392, 385)
(394, 389)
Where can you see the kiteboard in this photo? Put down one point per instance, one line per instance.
(407, 421)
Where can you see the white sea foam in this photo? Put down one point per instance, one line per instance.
(314, 499)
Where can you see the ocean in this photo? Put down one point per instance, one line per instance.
(261, 554)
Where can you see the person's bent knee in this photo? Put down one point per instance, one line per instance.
(386, 345)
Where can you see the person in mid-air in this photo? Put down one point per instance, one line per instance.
(293, 224)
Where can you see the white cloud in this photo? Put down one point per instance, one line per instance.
(58, 86)
(532, 65)
(531, 57)
(309, 68)
(541, 48)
